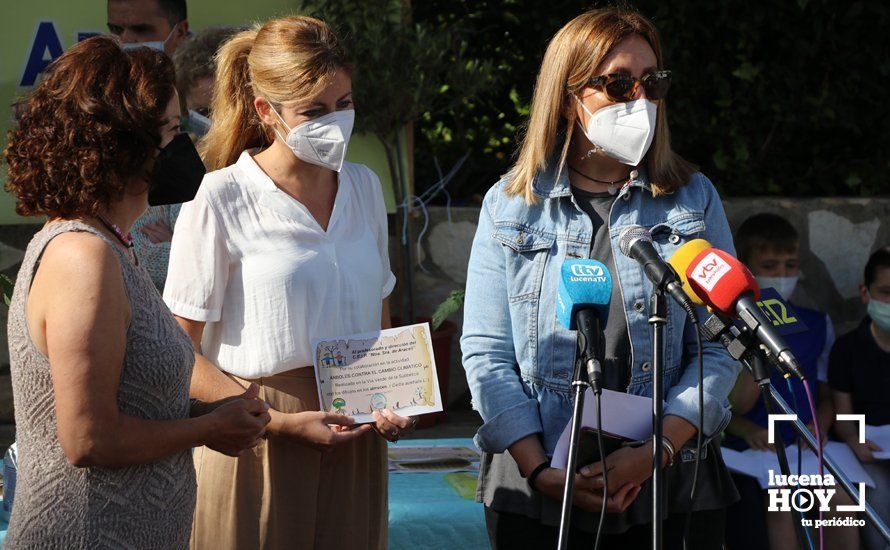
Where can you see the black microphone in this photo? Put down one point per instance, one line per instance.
(635, 242)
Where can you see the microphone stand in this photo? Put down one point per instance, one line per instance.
(742, 348)
(759, 370)
(587, 373)
(657, 320)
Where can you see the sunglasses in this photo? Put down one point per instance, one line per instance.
(621, 87)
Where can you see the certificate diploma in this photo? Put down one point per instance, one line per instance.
(390, 369)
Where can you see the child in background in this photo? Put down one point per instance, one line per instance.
(859, 375)
(769, 245)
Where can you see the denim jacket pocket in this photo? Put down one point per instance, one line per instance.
(673, 233)
(526, 251)
(526, 255)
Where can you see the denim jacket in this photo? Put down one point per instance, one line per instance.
(518, 358)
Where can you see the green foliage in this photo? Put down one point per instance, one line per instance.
(769, 98)
(403, 69)
(447, 308)
(6, 286)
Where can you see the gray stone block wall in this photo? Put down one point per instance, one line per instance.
(836, 237)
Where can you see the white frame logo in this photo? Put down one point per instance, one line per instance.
(805, 492)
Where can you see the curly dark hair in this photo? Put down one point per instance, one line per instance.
(88, 129)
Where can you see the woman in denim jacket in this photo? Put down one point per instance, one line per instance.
(595, 159)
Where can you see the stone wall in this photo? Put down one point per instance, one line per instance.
(837, 236)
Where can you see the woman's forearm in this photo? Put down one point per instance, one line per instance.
(678, 430)
(130, 441)
(211, 384)
(528, 453)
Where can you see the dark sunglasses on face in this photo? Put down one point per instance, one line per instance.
(622, 87)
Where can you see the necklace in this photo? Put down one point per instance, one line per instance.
(583, 175)
(613, 185)
(126, 240)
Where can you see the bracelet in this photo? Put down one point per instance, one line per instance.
(669, 447)
(532, 477)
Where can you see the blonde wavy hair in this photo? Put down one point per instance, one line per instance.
(282, 60)
(573, 56)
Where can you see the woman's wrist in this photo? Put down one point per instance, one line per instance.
(535, 474)
(206, 427)
(278, 424)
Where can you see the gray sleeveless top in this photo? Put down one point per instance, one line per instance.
(59, 506)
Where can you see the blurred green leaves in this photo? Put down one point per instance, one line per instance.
(6, 286)
(769, 98)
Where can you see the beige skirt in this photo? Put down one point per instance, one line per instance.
(282, 494)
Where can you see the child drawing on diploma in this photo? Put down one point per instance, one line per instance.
(364, 373)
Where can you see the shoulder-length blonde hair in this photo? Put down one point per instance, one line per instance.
(573, 56)
(282, 60)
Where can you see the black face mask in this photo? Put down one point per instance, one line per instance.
(178, 173)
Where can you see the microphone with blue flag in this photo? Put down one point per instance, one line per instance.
(585, 289)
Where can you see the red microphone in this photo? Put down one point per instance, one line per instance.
(720, 280)
(728, 287)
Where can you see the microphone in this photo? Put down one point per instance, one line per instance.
(582, 305)
(726, 286)
(681, 259)
(635, 242)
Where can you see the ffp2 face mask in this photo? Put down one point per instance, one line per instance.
(321, 141)
(623, 131)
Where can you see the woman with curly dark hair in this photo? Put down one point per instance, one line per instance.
(100, 368)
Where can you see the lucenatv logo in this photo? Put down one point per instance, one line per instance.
(583, 273)
(805, 493)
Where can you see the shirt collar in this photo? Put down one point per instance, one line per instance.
(253, 171)
(275, 199)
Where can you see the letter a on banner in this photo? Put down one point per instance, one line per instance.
(46, 38)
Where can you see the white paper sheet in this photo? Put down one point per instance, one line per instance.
(757, 464)
(879, 435)
(625, 415)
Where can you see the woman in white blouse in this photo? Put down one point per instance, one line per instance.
(284, 243)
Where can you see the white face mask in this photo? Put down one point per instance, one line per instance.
(623, 131)
(321, 141)
(198, 124)
(783, 285)
(879, 313)
(158, 45)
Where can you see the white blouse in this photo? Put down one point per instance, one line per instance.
(253, 263)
